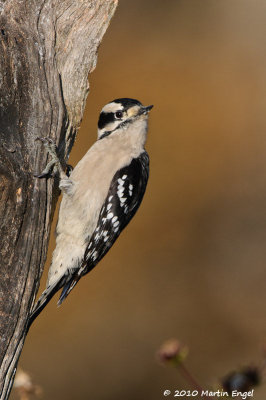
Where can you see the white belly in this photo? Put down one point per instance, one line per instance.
(79, 211)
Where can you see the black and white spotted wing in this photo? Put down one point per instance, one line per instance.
(123, 199)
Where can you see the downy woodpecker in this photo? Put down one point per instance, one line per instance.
(101, 195)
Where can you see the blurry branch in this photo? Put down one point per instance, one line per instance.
(24, 386)
(239, 383)
(47, 50)
(172, 351)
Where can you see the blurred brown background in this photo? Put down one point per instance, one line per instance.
(192, 262)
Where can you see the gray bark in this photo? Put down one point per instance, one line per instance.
(47, 50)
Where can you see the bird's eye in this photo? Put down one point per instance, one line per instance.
(118, 114)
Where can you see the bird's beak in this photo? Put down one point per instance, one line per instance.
(145, 110)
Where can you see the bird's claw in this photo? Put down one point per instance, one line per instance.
(54, 163)
(45, 139)
(69, 169)
(42, 175)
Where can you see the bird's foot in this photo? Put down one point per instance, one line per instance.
(69, 169)
(54, 164)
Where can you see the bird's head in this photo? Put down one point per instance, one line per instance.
(121, 114)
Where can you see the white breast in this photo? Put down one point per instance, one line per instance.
(79, 211)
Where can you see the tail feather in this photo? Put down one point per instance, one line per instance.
(44, 299)
(67, 289)
(67, 282)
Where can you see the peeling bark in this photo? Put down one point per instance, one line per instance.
(47, 50)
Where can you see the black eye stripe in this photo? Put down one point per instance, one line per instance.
(105, 118)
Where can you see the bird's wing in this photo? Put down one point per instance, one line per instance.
(123, 199)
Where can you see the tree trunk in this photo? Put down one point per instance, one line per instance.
(47, 50)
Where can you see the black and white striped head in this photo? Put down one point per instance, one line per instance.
(121, 113)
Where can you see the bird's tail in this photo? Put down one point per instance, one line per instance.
(44, 299)
(69, 284)
(67, 288)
